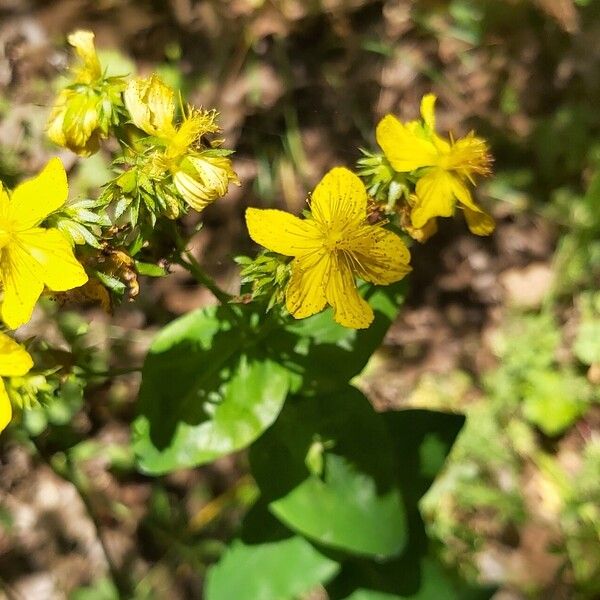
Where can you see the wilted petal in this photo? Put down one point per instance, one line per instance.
(90, 69)
(192, 190)
(151, 105)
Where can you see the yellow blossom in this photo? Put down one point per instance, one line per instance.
(32, 257)
(203, 178)
(330, 248)
(14, 362)
(83, 112)
(151, 105)
(443, 167)
(200, 175)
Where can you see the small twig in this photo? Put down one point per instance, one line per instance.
(120, 581)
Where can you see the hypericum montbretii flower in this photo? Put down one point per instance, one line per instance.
(84, 112)
(14, 362)
(443, 167)
(201, 174)
(332, 247)
(32, 257)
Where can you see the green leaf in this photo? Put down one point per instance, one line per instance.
(323, 355)
(422, 440)
(410, 577)
(149, 269)
(207, 390)
(355, 503)
(279, 570)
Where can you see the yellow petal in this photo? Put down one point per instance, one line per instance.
(192, 190)
(81, 125)
(90, 69)
(305, 293)
(435, 197)
(151, 105)
(5, 407)
(56, 263)
(22, 285)
(340, 197)
(350, 309)
(214, 173)
(282, 232)
(401, 145)
(14, 359)
(34, 199)
(38, 257)
(378, 255)
(479, 222)
(428, 111)
(54, 126)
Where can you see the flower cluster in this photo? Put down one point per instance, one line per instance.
(422, 175)
(419, 177)
(169, 166)
(171, 161)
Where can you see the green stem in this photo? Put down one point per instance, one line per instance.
(71, 474)
(194, 267)
(112, 372)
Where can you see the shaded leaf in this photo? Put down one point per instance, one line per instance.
(354, 503)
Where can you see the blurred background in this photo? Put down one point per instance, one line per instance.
(505, 329)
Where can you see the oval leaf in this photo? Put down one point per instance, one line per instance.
(336, 477)
(205, 392)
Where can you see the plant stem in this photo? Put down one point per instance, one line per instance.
(71, 474)
(194, 267)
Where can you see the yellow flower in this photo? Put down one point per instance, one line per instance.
(330, 248)
(200, 176)
(203, 178)
(32, 257)
(444, 167)
(89, 69)
(151, 105)
(14, 362)
(83, 112)
(74, 120)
